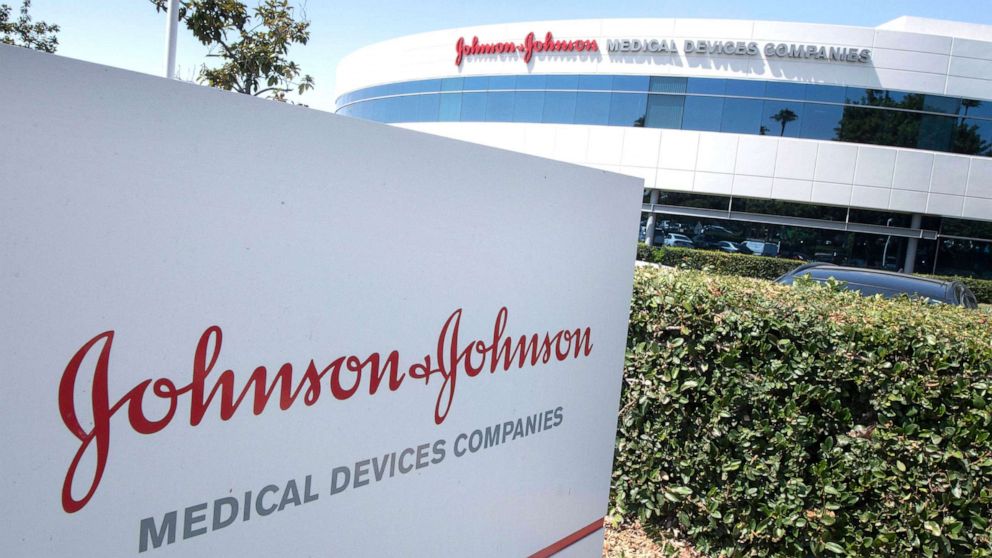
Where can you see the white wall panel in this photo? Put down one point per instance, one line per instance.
(974, 88)
(795, 159)
(640, 147)
(970, 67)
(906, 200)
(678, 149)
(909, 60)
(912, 41)
(605, 145)
(713, 183)
(912, 170)
(977, 208)
(950, 174)
(972, 48)
(752, 186)
(943, 204)
(980, 178)
(875, 166)
(713, 28)
(571, 143)
(716, 152)
(866, 196)
(675, 179)
(835, 162)
(901, 60)
(781, 31)
(648, 174)
(831, 193)
(789, 189)
(756, 155)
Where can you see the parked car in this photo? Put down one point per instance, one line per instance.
(762, 248)
(672, 238)
(870, 282)
(728, 246)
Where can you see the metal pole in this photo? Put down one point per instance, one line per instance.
(171, 24)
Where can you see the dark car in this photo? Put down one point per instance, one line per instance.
(886, 283)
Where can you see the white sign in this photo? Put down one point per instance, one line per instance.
(233, 327)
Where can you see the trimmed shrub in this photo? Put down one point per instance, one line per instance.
(764, 420)
(745, 265)
(764, 267)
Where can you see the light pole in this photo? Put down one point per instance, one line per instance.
(171, 23)
(885, 251)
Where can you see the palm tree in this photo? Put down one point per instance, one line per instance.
(969, 103)
(783, 117)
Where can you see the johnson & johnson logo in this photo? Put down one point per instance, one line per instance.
(342, 376)
(527, 48)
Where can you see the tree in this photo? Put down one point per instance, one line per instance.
(783, 117)
(23, 32)
(252, 47)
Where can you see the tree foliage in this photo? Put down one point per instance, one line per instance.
(25, 32)
(252, 46)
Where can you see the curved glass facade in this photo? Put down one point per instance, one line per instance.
(812, 111)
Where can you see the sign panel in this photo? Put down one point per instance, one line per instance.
(233, 327)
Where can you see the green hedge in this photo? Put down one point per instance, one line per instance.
(764, 420)
(762, 267)
(745, 265)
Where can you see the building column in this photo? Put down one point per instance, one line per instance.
(652, 218)
(910, 263)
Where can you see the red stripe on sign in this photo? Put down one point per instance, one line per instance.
(568, 541)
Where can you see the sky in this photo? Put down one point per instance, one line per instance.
(130, 34)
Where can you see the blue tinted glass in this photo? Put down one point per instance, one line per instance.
(627, 109)
(630, 83)
(702, 113)
(373, 110)
(528, 106)
(475, 83)
(706, 86)
(473, 107)
(897, 96)
(452, 84)
(973, 107)
(939, 103)
(862, 96)
(820, 121)
(450, 109)
(531, 82)
(785, 90)
(559, 108)
(936, 132)
(427, 107)
(422, 86)
(499, 107)
(595, 83)
(502, 82)
(742, 116)
(745, 88)
(667, 85)
(825, 93)
(570, 83)
(592, 108)
(782, 118)
(664, 111)
(399, 109)
(377, 91)
(974, 137)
